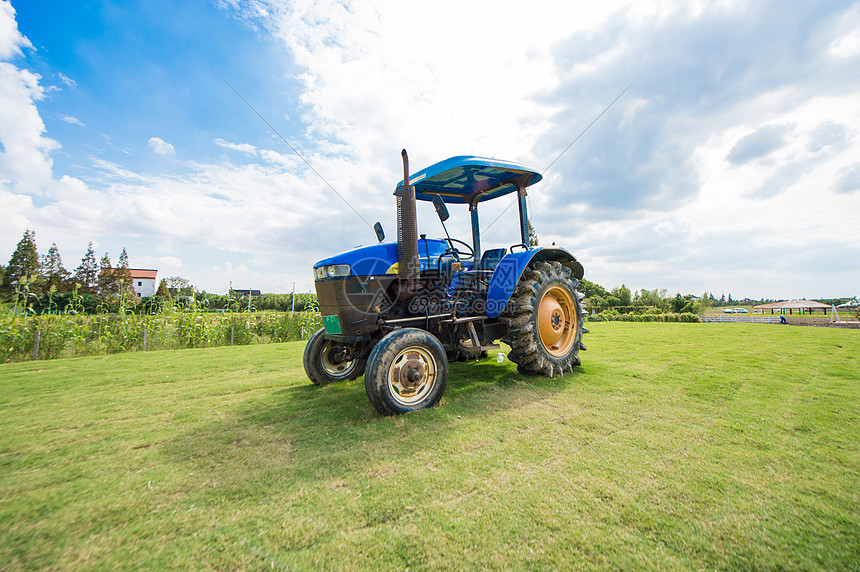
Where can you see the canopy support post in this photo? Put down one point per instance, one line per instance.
(524, 216)
(476, 232)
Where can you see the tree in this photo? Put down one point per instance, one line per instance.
(533, 237)
(623, 295)
(592, 289)
(56, 277)
(163, 291)
(180, 286)
(87, 274)
(24, 264)
(108, 283)
(655, 298)
(703, 303)
(681, 304)
(123, 275)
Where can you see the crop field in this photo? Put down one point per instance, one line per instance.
(674, 446)
(51, 336)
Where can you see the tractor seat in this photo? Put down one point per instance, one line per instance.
(491, 258)
(483, 269)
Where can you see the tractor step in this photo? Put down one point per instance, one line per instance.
(473, 335)
(468, 344)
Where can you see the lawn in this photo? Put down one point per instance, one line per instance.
(674, 446)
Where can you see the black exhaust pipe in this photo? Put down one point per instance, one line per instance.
(407, 228)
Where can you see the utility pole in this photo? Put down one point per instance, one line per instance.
(293, 298)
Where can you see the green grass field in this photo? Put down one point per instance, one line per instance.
(674, 446)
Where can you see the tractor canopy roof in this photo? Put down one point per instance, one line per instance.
(469, 180)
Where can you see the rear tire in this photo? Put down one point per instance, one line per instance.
(324, 362)
(544, 319)
(407, 370)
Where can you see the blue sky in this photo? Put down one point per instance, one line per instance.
(731, 165)
(126, 70)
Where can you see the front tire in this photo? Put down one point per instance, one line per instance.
(327, 362)
(544, 319)
(407, 370)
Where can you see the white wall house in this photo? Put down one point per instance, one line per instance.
(143, 281)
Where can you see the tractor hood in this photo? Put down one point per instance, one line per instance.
(382, 258)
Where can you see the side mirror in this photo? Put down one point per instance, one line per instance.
(441, 209)
(380, 234)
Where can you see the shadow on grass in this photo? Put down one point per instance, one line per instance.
(329, 433)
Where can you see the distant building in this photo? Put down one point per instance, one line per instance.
(245, 293)
(143, 281)
(792, 305)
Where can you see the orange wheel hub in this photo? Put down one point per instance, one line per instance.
(412, 375)
(557, 321)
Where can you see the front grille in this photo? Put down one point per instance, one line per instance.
(356, 301)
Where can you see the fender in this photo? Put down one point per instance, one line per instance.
(511, 268)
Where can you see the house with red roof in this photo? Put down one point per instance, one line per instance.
(143, 281)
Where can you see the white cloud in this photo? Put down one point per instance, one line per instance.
(25, 162)
(849, 180)
(745, 141)
(67, 80)
(166, 265)
(110, 171)
(847, 32)
(11, 40)
(438, 79)
(647, 197)
(71, 119)
(243, 276)
(243, 147)
(760, 143)
(258, 213)
(848, 45)
(161, 147)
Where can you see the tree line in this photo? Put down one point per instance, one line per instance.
(42, 284)
(622, 300)
(30, 274)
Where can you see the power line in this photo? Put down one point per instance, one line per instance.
(299, 155)
(589, 126)
(563, 152)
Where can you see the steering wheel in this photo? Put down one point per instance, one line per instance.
(470, 253)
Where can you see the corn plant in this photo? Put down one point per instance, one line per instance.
(311, 320)
(74, 333)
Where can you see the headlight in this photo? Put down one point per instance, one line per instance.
(331, 271)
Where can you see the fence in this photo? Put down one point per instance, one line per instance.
(742, 319)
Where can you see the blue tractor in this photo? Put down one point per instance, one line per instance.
(398, 312)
